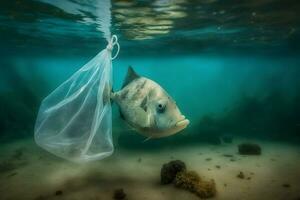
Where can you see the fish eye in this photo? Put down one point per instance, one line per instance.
(161, 108)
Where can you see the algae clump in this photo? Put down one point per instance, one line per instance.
(191, 181)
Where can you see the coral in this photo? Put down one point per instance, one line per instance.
(191, 181)
(169, 171)
(249, 149)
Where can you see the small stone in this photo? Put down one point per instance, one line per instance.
(139, 160)
(218, 166)
(241, 175)
(208, 159)
(232, 159)
(119, 194)
(58, 192)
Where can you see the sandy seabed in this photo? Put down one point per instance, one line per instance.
(28, 172)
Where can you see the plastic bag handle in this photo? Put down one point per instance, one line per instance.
(113, 41)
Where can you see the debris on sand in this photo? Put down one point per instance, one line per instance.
(249, 149)
(190, 180)
(169, 170)
(241, 175)
(119, 194)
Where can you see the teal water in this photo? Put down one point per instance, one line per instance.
(220, 60)
(233, 67)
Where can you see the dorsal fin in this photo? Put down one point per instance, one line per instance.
(131, 75)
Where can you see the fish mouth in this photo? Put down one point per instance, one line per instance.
(183, 123)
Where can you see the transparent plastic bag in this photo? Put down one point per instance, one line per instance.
(74, 122)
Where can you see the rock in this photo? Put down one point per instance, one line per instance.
(218, 166)
(208, 159)
(169, 170)
(58, 192)
(190, 180)
(119, 194)
(241, 175)
(249, 149)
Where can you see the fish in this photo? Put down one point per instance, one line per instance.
(147, 107)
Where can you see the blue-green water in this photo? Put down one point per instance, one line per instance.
(233, 67)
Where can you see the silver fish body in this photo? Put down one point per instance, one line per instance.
(148, 108)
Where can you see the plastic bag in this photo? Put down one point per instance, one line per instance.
(74, 122)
